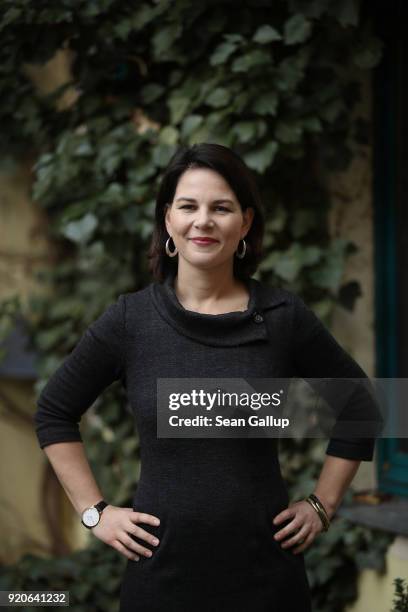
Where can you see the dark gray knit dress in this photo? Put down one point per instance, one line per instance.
(216, 498)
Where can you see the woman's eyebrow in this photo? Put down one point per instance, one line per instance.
(219, 201)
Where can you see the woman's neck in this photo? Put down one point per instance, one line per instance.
(211, 293)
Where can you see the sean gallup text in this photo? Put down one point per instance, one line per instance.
(219, 421)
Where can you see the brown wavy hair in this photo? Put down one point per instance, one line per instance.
(240, 179)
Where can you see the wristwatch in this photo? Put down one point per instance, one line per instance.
(91, 516)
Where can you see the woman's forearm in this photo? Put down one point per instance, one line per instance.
(71, 466)
(334, 480)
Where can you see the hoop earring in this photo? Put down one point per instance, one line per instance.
(170, 253)
(242, 254)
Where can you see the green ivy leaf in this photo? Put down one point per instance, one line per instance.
(261, 158)
(164, 38)
(245, 130)
(144, 170)
(219, 97)
(297, 29)
(10, 15)
(250, 60)
(329, 273)
(222, 53)
(48, 339)
(291, 71)
(266, 104)
(178, 106)
(312, 124)
(240, 101)
(169, 135)
(266, 34)
(287, 264)
(322, 308)
(235, 38)
(123, 28)
(190, 124)
(289, 132)
(346, 12)
(84, 149)
(162, 154)
(309, 8)
(151, 92)
(81, 230)
(143, 15)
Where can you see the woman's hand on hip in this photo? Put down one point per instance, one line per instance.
(302, 529)
(115, 526)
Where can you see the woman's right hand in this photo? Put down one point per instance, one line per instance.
(117, 523)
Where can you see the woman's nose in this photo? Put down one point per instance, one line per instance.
(203, 219)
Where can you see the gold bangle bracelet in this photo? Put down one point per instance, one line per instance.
(320, 511)
(315, 508)
(323, 515)
(319, 505)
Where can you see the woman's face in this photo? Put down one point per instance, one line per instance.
(204, 205)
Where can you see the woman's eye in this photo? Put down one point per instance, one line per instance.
(218, 207)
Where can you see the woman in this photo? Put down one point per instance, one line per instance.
(211, 527)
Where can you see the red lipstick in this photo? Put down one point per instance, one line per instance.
(204, 240)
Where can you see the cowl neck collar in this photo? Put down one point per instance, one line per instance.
(227, 329)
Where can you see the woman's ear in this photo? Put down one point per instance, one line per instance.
(248, 215)
(166, 217)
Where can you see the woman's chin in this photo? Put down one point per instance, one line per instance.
(205, 262)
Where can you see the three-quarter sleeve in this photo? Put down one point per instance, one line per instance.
(317, 354)
(96, 361)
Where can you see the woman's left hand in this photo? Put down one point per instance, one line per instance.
(306, 524)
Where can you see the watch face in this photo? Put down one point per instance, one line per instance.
(90, 517)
